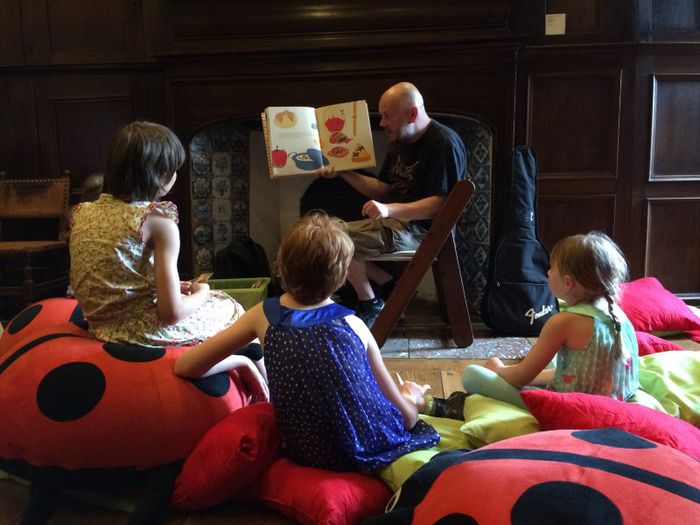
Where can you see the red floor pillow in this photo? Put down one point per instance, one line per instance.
(562, 476)
(72, 402)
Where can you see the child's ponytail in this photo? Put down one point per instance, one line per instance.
(620, 351)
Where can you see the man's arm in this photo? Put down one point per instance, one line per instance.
(426, 208)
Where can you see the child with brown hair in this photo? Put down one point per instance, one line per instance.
(124, 248)
(337, 406)
(592, 339)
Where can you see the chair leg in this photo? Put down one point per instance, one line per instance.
(448, 281)
(402, 295)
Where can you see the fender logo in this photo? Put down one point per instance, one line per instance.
(532, 315)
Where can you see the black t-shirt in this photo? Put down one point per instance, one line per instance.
(430, 166)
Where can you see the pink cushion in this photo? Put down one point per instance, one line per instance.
(651, 344)
(651, 308)
(556, 410)
(313, 496)
(228, 458)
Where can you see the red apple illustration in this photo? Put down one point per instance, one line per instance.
(279, 157)
(334, 124)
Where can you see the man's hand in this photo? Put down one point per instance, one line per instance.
(326, 172)
(375, 210)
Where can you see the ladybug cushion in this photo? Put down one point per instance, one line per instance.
(562, 476)
(73, 402)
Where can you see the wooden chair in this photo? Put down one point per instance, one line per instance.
(33, 262)
(437, 250)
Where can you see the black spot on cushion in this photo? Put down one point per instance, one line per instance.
(70, 391)
(22, 319)
(215, 385)
(564, 503)
(78, 318)
(133, 353)
(457, 519)
(612, 437)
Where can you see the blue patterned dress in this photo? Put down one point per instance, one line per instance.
(329, 406)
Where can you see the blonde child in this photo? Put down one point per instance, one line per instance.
(592, 339)
(124, 248)
(336, 403)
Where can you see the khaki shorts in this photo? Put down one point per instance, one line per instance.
(375, 237)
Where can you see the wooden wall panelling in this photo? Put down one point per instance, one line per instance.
(673, 241)
(675, 128)
(19, 137)
(212, 26)
(670, 184)
(573, 124)
(10, 33)
(78, 114)
(566, 214)
(82, 31)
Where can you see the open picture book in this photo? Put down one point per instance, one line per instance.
(298, 140)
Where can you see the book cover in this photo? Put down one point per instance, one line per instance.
(301, 139)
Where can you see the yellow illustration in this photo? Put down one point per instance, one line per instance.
(285, 119)
(360, 154)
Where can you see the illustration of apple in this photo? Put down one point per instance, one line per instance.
(334, 124)
(278, 157)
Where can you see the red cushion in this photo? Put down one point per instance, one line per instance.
(652, 308)
(228, 458)
(70, 401)
(556, 410)
(651, 344)
(605, 476)
(313, 496)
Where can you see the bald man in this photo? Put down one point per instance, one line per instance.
(424, 161)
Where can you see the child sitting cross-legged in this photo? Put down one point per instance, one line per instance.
(592, 339)
(337, 406)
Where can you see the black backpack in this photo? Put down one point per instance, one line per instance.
(242, 258)
(517, 300)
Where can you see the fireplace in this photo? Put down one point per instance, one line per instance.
(232, 195)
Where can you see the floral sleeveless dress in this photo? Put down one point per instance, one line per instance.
(112, 276)
(330, 408)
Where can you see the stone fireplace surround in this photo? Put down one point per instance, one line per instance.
(232, 195)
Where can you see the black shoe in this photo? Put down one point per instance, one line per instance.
(369, 310)
(452, 407)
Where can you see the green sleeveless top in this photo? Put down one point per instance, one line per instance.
(599, 368)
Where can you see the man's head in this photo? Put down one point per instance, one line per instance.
(404, 118)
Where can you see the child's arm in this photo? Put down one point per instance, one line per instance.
(199, 359)
(411, 394)
(531, 370)
(172, 306)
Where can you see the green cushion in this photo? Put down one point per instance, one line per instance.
(450, 439)
(673, 380)
(488, 420)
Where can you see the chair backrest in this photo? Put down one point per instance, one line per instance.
(24, 199)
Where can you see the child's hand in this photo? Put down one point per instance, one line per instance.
(202, 288)
(254, 382)
(414, 393)
(494, 364)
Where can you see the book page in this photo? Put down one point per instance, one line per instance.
(291, 137)
(346, 135)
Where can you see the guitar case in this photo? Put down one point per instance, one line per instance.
(517, 300)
